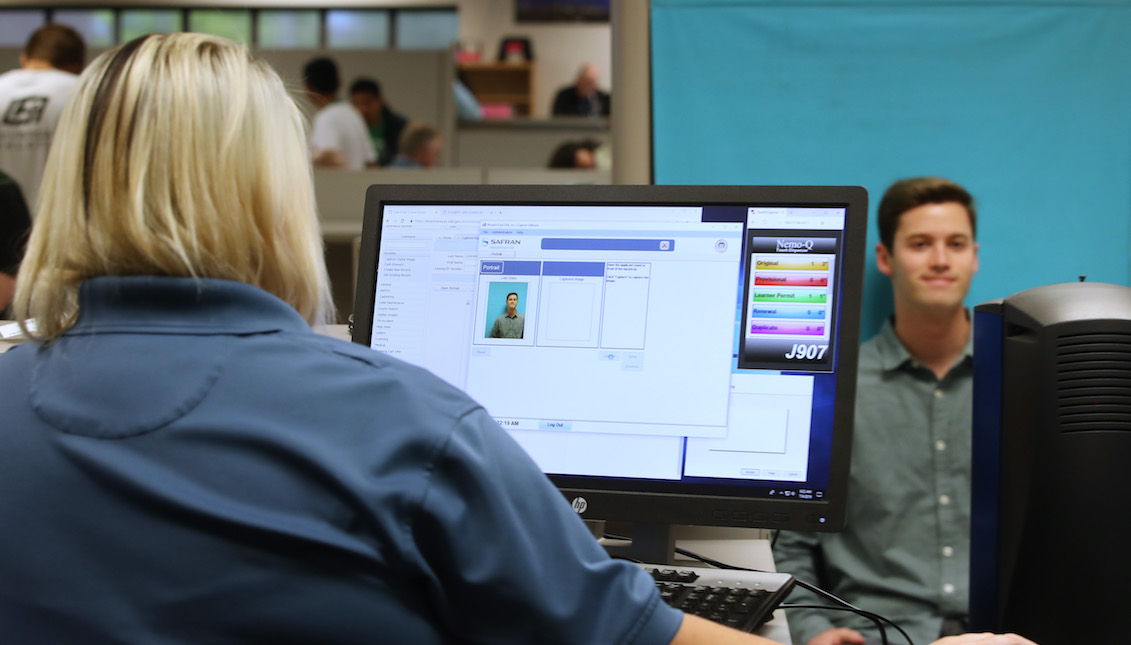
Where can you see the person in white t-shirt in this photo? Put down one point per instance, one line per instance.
(339, 137)
(31, 100)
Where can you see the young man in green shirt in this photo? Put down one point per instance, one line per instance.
(905, 551)
(385, 126)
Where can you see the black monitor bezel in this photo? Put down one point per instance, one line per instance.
(656, 506)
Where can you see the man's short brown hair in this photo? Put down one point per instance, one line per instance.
(59, 45)
(907, 194)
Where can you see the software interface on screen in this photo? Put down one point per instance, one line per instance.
(659, 343)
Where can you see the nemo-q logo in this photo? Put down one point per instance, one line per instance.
(579, 505)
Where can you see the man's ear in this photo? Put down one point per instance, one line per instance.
(975, 257)
(883, 259)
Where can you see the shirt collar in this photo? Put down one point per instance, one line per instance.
(893, 355)
(157, 304)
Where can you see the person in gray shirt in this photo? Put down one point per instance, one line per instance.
(511, 323)
(905, 551)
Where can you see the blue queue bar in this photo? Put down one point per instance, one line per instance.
(604, 244)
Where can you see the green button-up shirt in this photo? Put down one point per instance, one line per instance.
(508, 326)
(905, 553)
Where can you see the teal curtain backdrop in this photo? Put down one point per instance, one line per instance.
(1026, 103)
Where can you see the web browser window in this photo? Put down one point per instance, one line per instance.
(651, 342)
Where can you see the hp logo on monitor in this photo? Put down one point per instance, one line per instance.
(579, 505)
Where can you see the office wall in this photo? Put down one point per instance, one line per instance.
(1027, 103)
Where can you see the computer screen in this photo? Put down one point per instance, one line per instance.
(666, 354)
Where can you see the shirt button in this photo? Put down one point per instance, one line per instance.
(944, 499)
(940, 445)
(947, 551)
(938, 394)
(948, 588)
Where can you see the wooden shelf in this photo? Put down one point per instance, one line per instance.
(511, 83)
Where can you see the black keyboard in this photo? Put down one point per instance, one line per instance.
(744, 600)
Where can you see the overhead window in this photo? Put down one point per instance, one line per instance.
(17, 24)
(426, 29)
(233, 24)
(357, 29)
(139, 22)
(289, 28)
(96, 26)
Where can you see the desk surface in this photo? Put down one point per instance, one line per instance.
(8, 340)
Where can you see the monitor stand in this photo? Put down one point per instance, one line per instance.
(648, 543)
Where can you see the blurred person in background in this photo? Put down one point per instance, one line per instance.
(339, 137)
(385, 125)
(420, 147)
(15, 224)
(31, 100)
(575, 154)
(583, 98)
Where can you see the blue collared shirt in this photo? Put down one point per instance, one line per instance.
(190, 463)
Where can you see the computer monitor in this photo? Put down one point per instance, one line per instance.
(1051, 454)
(668, 355)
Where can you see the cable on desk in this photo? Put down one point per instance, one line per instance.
(874, 617)
(841, 604)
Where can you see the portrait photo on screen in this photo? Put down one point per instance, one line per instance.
(506, 310)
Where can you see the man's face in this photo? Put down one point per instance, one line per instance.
(933, 257)
(587, 81)
(512, 302)
(583, 158)
(369, 105)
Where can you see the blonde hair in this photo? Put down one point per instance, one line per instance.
(177, 155)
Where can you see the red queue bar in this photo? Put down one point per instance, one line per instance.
(769, 279)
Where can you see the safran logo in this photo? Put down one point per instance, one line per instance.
(579, 505)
